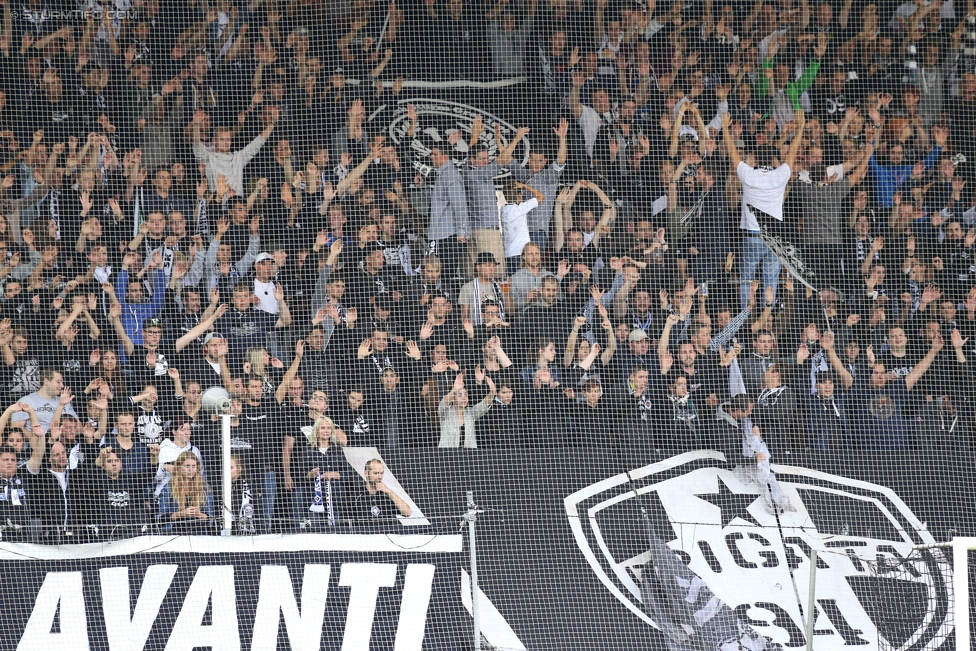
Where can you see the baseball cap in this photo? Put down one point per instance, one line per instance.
(264, 256)
(152, 323)
(637, 335)
(212, 335)
(486, 258)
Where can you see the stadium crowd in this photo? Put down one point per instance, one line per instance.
(206, 194)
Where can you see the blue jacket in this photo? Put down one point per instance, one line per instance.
(888, 179)
(134, 314)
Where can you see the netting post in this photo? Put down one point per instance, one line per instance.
(960, 588)
(471, 517)
(226, 479)
(812, 599)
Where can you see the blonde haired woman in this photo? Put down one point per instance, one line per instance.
(323, 475)
(259, 363)
(457, 417)
(186, 503)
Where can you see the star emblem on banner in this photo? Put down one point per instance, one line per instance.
(732, 505)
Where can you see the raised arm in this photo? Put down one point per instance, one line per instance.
(876, 245)
(799, 118)
(730, 148)
(284, 314)
(609, 213)
(559, 216)
(356, 173)
(200, 328)
(676, 130)
(72, 316)
(827, 344)
(38, 443)
(665, 340)
(570, 352)
(5, 418)
(539, 196)
(862, 168)
(561, 131)
(912, 378)
(115, 318)
(282, 391)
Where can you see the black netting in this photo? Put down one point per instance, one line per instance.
(680, 292)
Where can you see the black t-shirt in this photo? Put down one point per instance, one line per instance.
(259, 427)
(73, 362)
(24, 377)
(163, 358)
(332, 460)
(295, 424)
(294, 418)
(246, 329)
(14, 502)
(375, 508)
(900, 366)
(151, 423)
(359, 425)
(194, 366)
(318, 369)
(117, 504)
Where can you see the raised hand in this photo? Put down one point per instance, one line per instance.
(413, 350)
(827, 340)
(667, 361)
(820, 49)
(365, 349)
(802, 353)
(957, 339)
(562, 129)
(931, 293)
(596, 293)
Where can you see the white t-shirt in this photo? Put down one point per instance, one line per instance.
(516, 226)
(590, 122)
(265, 293)
(763, 189)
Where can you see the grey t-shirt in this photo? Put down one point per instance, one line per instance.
(44, 409)
(547, 182)
(823, 221)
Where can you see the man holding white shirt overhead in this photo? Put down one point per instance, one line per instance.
(763, 190)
